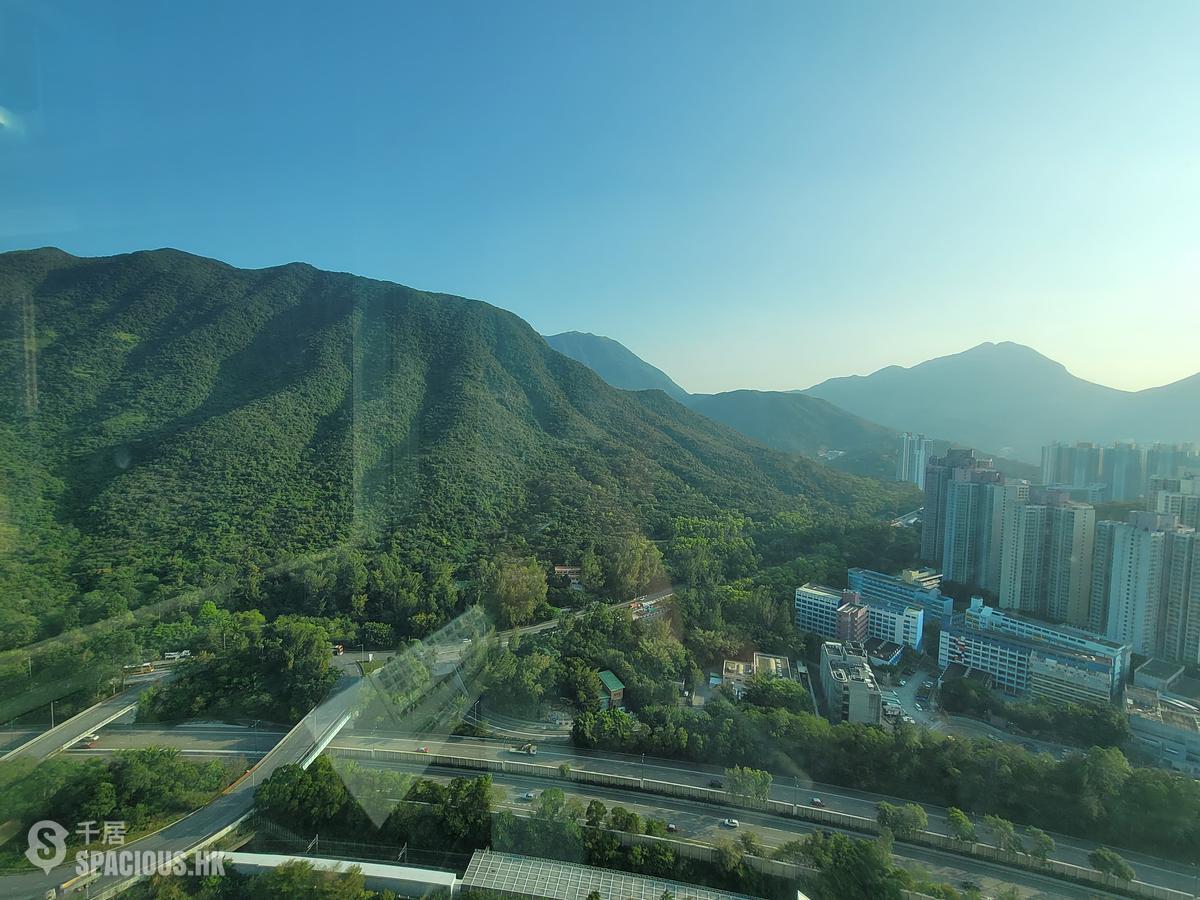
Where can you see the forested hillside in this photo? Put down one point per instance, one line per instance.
(169, 421)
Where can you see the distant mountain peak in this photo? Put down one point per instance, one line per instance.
(614, 362)
(1006, 394)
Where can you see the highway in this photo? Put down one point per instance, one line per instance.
(90, 720)
(1152, 870)
(208, 740)
(701, 823)
(223, 812)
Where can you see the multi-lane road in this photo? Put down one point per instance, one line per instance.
(215, 740)
(702, 823)
(798, 789)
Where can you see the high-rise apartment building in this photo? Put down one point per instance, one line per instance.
(912, 459)
(1125, 471)
(1070, 545)
(967, 515)
(1046, 558)
(1130, 580)
(939, 472)
(1181, 596)
(1005, 505)
(1178, 497)
(1077, 465)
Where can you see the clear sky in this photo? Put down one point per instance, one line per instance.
(747, 194)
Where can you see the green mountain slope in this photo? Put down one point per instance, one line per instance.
(614, 362)
(166, 420)
(794, 423)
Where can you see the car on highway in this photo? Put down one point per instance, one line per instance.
(903, 682)
(730, 823)
(88, 740)
(818, 802)
(528, 795)
(422, 749)
(672, 827)
(716, 783)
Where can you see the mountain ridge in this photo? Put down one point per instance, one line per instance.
(1009, 396)
(192, 419)
(614, 362)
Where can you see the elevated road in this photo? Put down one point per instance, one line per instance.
(73, 729)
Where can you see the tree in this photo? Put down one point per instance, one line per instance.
(747, 783)
(517, 588)
(1041, 845)
(596, 811)
(590, 572)
(1003, 834)
(777, 693)
(377, 634)
(752, 844)
(961, 827)
(633, 564)
(564, 770)
(854, 869)
(729, 855)
(1109, 862)
(905, 821)
(621, 819)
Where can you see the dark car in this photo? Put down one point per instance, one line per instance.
(716, 783)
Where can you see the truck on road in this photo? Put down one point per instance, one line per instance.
(529, 749)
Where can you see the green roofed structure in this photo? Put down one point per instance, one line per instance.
(612, 691)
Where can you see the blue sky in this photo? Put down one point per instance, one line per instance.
(746, 194)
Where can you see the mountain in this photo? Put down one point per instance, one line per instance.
(614, 362)
(794, 423)
(790, 421)
(168, 420)
(1011, 398)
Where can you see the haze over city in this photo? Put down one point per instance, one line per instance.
(760, 201)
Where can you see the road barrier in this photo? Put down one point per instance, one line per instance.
(840, 820)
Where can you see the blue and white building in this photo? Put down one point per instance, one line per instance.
(912, 587)
(889, 619)
(1025, 656)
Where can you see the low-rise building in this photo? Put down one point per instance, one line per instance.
(612, 691)
(883, 653)
(773, 666)
(735, 672)
(1165, 727)
(1157, 674)
(833, 613)
(1025, 656)
(851, 694)
(912, 587)
(734, 675)
(573, 574)
(817, 608)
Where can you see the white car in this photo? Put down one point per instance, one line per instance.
(730, 823)
(528, 795)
